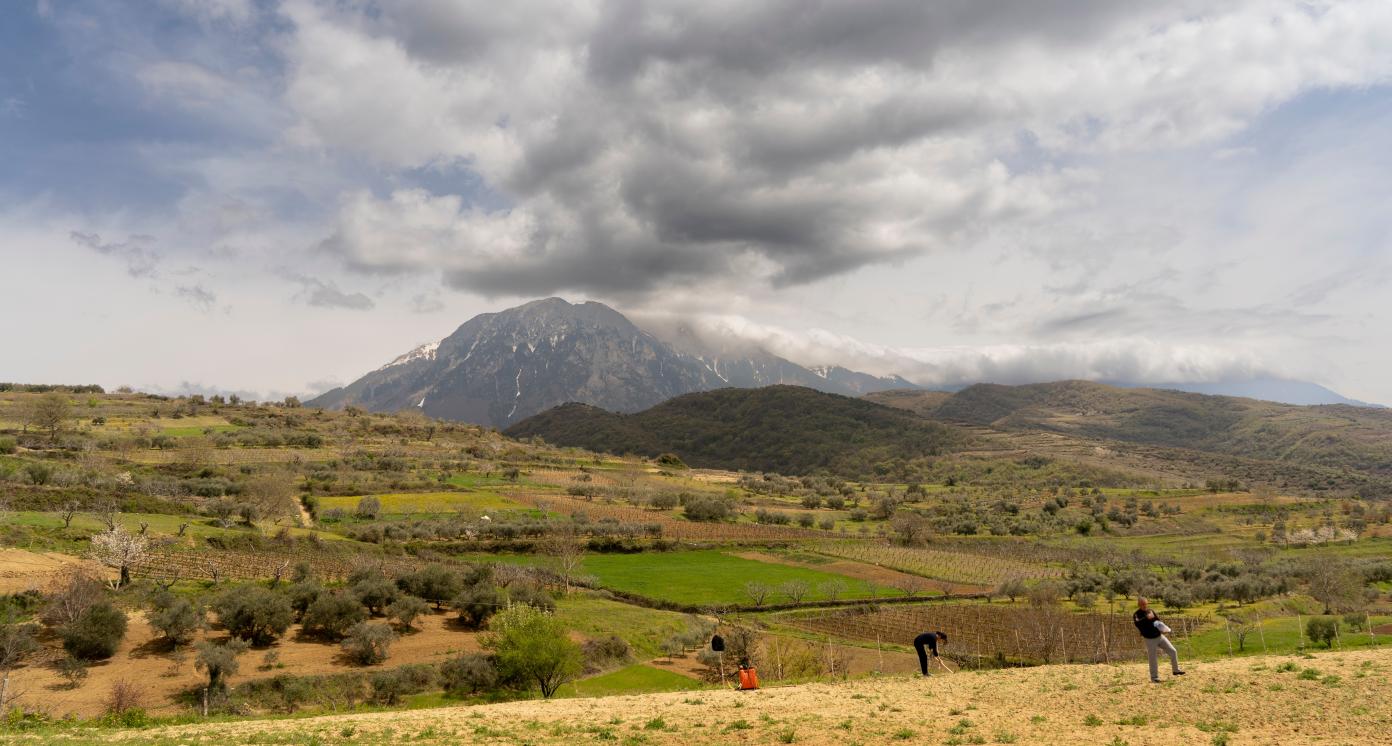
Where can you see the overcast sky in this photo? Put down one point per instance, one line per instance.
(274, 197)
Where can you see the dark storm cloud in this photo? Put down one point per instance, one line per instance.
(690, 139)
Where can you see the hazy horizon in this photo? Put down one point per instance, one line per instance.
(276, 197)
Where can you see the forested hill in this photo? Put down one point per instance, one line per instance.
(1330, 436)
(784, 429)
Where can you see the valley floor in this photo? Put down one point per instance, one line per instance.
(1329, 698)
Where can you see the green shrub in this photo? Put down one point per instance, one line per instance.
(332, 615)
(367, 644)
(8, 445)
(672, 460)
(96, 633)
(1322, 629)
(470, 673)
(708, 509)
(219, 661)
(531, 595)
(532, 647)
(302, 594)
(369, 507)
(376, 594)
(434, 583)
(406, 609)
(388, 687)
(476, 604)
(176, 618)
(253, 613)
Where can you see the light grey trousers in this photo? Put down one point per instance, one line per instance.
(1153, 646)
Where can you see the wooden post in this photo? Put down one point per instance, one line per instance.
(1262, 632)
(205, 701)
(1227, 629)
(879, 652)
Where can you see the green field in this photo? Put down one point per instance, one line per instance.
(635, 679)
(159, 523)
(644, 629)
(709, 577)
(405, 503)
(193, 431)
(1278, 635)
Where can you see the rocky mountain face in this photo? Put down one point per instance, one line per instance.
(500, 368)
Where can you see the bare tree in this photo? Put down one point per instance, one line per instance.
(910, 585)
(757, 592)
(280, 573)
(16, 643)
(566, 555)
(69, 512)
(833, 589)
(1336, 585)
(273, 494)
(50, 412)
(795, 590)
(120, 549)
(107, 512)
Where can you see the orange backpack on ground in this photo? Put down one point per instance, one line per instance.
(749, 678)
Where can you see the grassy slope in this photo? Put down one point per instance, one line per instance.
(1248, 700)
(1334, 436)
(704, 577)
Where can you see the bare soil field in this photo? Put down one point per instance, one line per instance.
(22, 570)
(1334, 698)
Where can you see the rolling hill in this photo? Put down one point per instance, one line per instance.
(1334, 437)
(787, 429)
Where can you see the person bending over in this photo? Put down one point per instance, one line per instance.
(924, 643)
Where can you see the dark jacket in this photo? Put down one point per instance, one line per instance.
(928, 640)
(1146, 624)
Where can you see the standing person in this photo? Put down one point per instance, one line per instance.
(1153, 631)
(925, 642)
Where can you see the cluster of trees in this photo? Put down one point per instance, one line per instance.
(1338, 585)
(527, 645)
(958, 513)
(464, 528)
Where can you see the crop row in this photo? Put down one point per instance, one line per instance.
(955, 567)
(992, 632)
(172, 562)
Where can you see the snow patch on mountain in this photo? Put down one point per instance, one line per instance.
(424, 352)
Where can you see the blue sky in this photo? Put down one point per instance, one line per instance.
(275, 196)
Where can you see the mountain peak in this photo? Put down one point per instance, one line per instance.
(499, 368)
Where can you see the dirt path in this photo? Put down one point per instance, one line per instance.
(22, 570)
(1243, 701)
